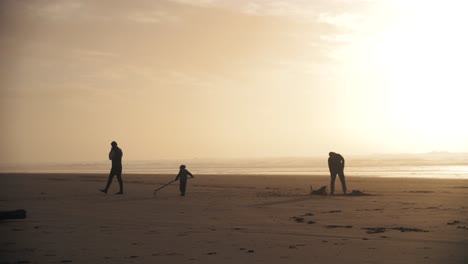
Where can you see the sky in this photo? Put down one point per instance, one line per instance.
(178, 79)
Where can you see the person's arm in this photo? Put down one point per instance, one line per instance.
(111, 154)
(177, 177)
(188, 172)
(342, 162)
(329, 164)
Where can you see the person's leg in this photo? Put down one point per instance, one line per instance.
(183, 186)
(119, 178)
(109, 181)
(343, 181)
(332, 182)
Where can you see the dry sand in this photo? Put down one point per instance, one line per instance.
(232, 219)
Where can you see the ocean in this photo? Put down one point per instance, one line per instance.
(255, 167)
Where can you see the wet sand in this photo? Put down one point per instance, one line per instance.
(232, 219)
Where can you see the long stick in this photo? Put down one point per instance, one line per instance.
(162, 187)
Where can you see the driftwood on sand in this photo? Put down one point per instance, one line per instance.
(16, 214)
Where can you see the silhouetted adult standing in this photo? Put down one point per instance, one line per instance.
(336, 164)
(115, 155)
(182, 176)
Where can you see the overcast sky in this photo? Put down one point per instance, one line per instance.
(228, 79)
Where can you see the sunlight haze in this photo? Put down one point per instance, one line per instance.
(182, 79)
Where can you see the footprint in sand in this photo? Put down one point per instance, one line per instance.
(419, 191)
(296, 246)
(332, 212)
(298, 219)
(173, 254)
(369, 210)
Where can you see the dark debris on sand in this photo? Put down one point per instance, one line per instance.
(301, 219)
(358, 193)
(406, 229)
(321, 191)
(376, 230)
(338, 226)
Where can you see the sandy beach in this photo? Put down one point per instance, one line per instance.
(232, 219)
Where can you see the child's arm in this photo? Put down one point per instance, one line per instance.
(188, 172)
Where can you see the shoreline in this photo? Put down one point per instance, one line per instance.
(348, 176)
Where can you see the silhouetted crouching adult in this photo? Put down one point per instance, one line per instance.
(182, 176)
(115, 155)
(336, 164)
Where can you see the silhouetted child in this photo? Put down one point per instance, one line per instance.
(182, 176)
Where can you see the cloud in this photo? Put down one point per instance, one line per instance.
(94, 53)
(56, 9)
(201, 40)
(151, 17)
(205, 3)
(343, 20)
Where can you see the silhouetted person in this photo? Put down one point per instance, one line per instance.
(115, 155)
(336, 164)
(182, 176)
